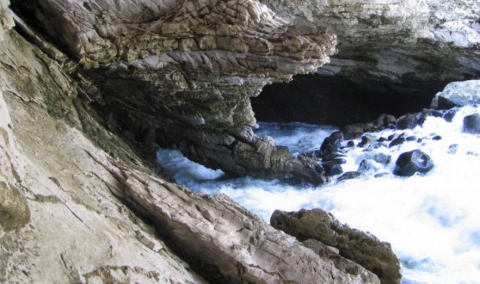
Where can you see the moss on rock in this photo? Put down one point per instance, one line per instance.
(14, 212)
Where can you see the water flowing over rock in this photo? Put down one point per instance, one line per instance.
(181, 73)
(471, 124)
(412, 162)
(393, 57)
(77, 195)
(73, 213)
(361, 247)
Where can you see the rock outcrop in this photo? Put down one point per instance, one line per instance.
(181, 73)
(457, 94)
(393, 57)
(363, 248)
(73, 213)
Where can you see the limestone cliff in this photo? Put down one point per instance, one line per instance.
(78, 205)
(393, 56)
(181, 73)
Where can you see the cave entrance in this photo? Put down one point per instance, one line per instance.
(333, 100)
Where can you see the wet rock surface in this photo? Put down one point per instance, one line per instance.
(86, 216)
(471, 124)
(412, 162)
(451, 97)
(363, 248)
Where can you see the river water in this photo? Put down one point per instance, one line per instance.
(431, 220)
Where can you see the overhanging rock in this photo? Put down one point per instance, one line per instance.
(181, 73)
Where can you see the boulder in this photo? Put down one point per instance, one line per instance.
(471, 124)
(381, 158)
(332, 143)
(363, 248)
(334, 157)
(367, 166)
(409, 163)
(397, 141)
(457, 94)
(352, 131)
(366, 140)
(409, 121)
(349, 175)
(385, 121)
(332, 168)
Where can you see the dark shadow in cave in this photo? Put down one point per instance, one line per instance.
(334, 100)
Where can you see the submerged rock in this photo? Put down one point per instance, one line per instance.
(349, 175)
(367, 166)
(333, 168)
(409, 163)
(471, 124)
(381, 158)
(363, 248)
(397, 141)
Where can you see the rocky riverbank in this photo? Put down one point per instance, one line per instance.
(75, 210)
(90, 89)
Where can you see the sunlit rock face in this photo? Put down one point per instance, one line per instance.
(181, 73)
(393, 57)
(73, 213)
(363, 248)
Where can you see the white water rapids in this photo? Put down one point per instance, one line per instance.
(432, 221)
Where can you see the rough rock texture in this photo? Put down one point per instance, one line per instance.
(78, 212)
(457, 94)
(363, 248)
(59, 223)
(181, 73)
(393, 57)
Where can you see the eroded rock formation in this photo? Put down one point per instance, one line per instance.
(364, 248)
(181, 73)
(73, 213)
(393, 57)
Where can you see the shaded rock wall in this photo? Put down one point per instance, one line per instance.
(181, 73)
(389, 53)
(62, 223)
(81, 218)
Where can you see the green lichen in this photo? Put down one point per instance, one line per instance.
(405, 33)
(14, 212)
(385, 20)
(375, 21)
(371, 22)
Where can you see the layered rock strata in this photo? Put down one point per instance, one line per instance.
(363, 248)
(63, 209)
(393, 57)
(181, 73)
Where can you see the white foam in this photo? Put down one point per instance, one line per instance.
(432, 221)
